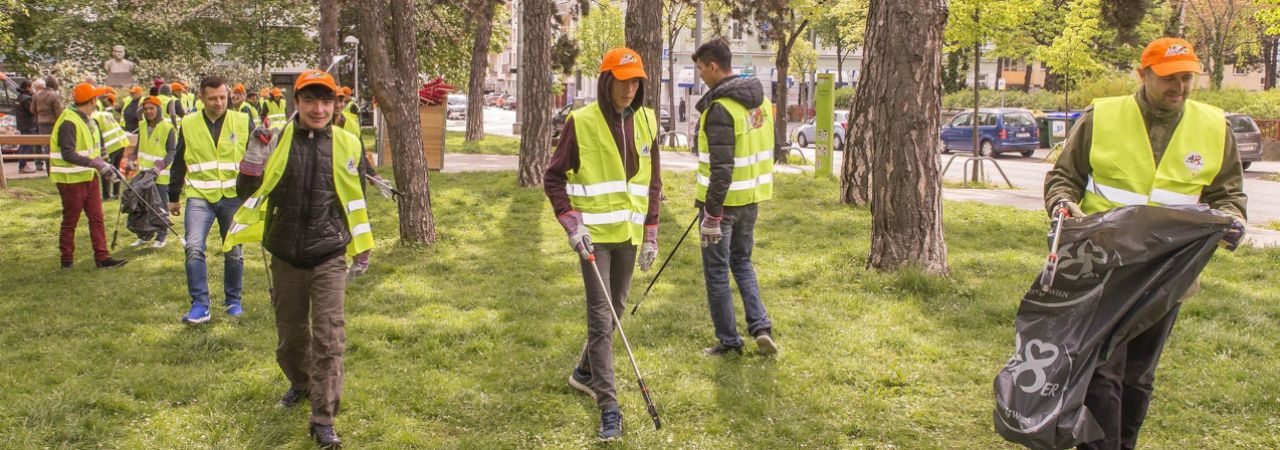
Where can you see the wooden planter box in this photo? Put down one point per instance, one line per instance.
(432, 120)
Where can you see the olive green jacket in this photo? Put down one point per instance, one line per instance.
(1070, 174)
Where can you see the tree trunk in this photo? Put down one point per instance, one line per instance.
(671, 86)
(1269, 62)
(1026, 78)
(782, 65)
(479, 70)
(644, 35)
(535, 90)
(1218, 56)
(328, 33)
(898, 104)
(391, 52)
(977, 137)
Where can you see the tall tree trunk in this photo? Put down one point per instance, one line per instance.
(328, 33)
(1269, 62)
(671, 85)
(1026, 77)
(479, 69)
(644, 35)
(388, 34)
(1218, 56)
(855, 170)
(898, 105)
(782, 64)
(535, 90)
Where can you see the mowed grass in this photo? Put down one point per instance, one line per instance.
(455, 142)
(468, 344)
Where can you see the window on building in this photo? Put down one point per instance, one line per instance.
(1240, 69)
(737, 29)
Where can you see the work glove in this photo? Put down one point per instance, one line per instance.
(579, 238)
(710, 229)
(262, 141)
(104, 169)
(1235, 234)
(649, 249)
(359, 265)
(1073, 209)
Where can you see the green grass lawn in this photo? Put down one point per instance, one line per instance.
(491, 145)
(468, 344)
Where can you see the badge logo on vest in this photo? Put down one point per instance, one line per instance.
(757, 118)
(644, 151)
(1194, 162)
(351, 166)
(233, 138)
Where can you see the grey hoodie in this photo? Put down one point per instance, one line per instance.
(720, 135)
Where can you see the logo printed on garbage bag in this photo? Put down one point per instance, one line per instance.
(1040, 371)
(1079, 258)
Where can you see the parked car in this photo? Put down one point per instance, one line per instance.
(1000, 130)
(807, 133)
(492, 99)
(509, 102)
(457, 106)
(1248, 138)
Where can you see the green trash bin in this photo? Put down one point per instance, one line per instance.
(1055, 126)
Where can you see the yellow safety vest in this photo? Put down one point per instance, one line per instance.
(248, 108)
(88, 144)
(613, 207)
(250, 219)
(752, 154)
(1123, 169)
(211, 172)
(276, 114)
(113, 136)
(351, 123)
(153, 146)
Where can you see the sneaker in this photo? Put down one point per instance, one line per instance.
(159, 244)
(765, 343)
(138, 242)
(582, 381)
(721, 349)
(111, 262)
(293, 397)
(198, 314)
(234, 310)
(66, 265)
(27, 170)
(610, 425)
(325, 436)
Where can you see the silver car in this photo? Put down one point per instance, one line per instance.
(806, 134)
(457, 105)
(1248, 138)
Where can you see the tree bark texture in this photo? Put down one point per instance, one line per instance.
(644, 35)
(898, 102)
(328, 33)
(855, 171)
(388, 35)
(782, 64)
(535, 90)
(479, 70)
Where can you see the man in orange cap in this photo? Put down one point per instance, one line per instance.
(179, 104)
(130, 110)
(188, 99)
(608, 156)
(274, 110)
(309, 163)
(239, 102)
(78, 170)
(1111, 159)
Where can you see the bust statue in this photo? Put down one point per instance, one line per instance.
(119, 70)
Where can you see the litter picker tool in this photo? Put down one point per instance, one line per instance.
(644, 390)
(1051, 262)
(663, 267)
(385, 185)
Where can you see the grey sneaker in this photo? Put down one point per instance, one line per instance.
(582, 382)
(610, 425)
(765, 343)
(720, 350)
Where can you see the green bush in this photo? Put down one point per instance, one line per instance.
(844, 98)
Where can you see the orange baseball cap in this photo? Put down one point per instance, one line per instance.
(239, 88)
(85, 92)
(176, 87)
(345, 92)
(264, 92)
(314, 77)
(623, 63)
(135, 90)
(276, 92)
(1167, 56)
(152, 100)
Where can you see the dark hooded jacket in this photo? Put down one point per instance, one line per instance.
(623, 129)
(720, 134)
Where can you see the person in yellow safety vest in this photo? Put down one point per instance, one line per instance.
(179, 104)
(274, 110)
(76, 166)
(350, 105)
(605, 188)
(131, 109)
(346, 118)
(114, 141)
(240, 103)
(735, 174)
(1156, 147)
(188, 99)
(312, 163)
(157, 145)
(263, 95)
(210, 146)
(168, 102)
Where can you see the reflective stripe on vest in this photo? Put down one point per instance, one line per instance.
(153, 146)
(1123, 169)
(113, 136)
(88, 144)
(250, 224)
(613, 207)
(211, 172)
(752, 154)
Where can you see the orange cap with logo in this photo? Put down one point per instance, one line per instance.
(314, 77)
(276, 92)
(239, 88)
(623, 63)
(85, 92)
(152, 100)
(1167, 56)
(176, 87)
(136, 90)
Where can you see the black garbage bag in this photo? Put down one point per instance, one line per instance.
(144, 206)
(1120, 272)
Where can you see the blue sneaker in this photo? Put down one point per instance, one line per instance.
(198, 314)
(234, 309)
(610, 425)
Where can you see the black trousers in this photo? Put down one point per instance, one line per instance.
(1120, 390)
(112, 189)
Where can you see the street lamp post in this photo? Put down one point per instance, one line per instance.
(355, 63)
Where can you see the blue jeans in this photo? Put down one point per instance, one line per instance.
(200, 215)
(733, 254)
(30, 150)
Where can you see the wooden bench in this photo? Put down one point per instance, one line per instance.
(35, 139)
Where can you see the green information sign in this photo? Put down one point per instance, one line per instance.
(825, 125)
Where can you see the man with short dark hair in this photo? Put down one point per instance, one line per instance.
(76, 168)
(309, 178)
(735, 174)
(206, 161)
